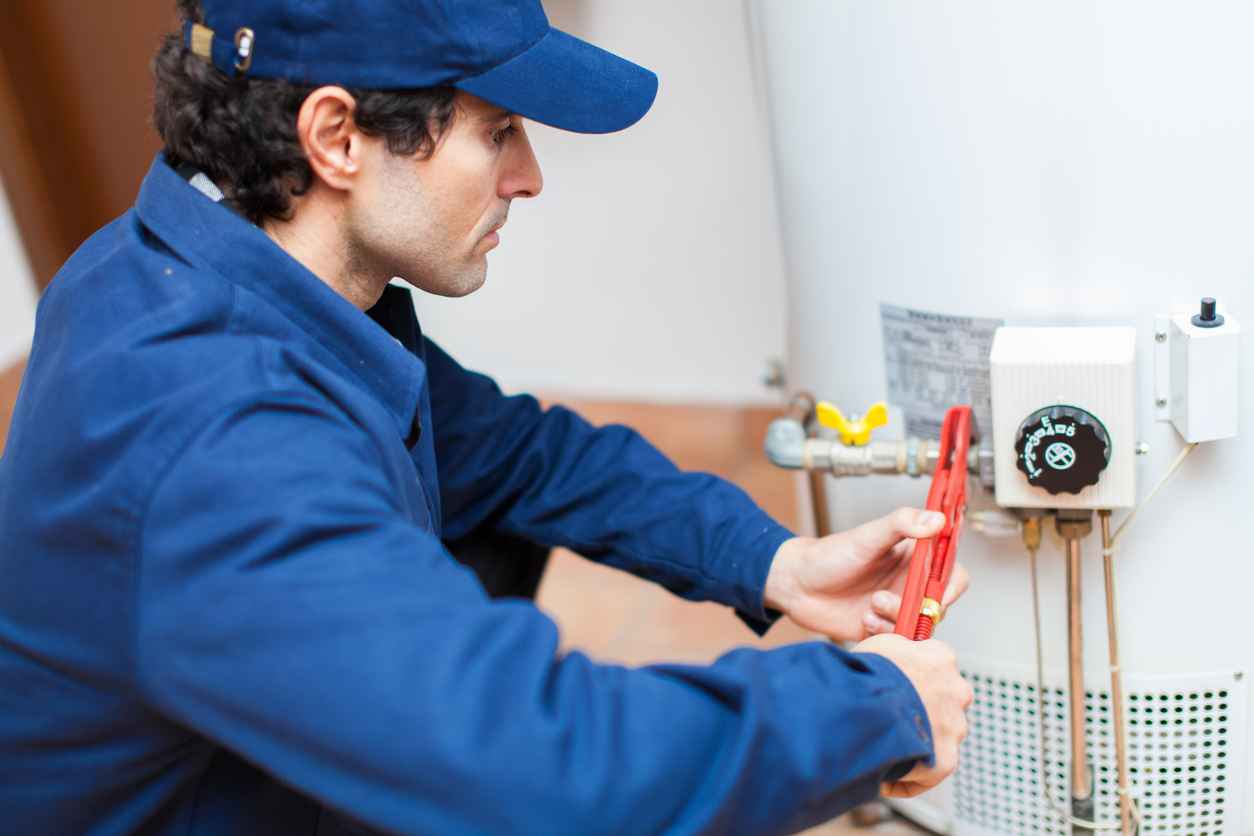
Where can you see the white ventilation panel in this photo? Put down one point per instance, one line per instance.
(1186, 754)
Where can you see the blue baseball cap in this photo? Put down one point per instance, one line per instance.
(503, 51)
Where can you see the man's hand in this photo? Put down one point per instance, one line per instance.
(933, 670)
(848, 585)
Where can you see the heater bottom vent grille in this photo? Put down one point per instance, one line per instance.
(1183, 764)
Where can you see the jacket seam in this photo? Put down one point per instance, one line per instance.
(146, 508)
(142, 506)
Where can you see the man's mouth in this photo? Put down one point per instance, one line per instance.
(491, 238)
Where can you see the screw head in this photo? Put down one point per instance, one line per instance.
(1161, 402)
(775, 377)
(1160, 337)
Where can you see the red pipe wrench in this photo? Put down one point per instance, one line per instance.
(933, 560)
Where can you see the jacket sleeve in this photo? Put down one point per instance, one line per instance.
(605, 492)
(289, 611)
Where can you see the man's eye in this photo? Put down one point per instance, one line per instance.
(501, 134)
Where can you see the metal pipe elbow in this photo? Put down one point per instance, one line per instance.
(785, 443)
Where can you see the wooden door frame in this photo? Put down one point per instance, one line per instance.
(41, 232)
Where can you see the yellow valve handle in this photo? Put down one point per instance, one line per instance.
(855, 431)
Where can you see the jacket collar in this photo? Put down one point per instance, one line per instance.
(205, 233)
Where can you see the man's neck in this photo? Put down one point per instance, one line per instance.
(317, 243)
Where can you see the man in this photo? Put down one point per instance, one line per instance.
(235, 462)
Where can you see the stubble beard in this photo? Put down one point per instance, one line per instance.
(427, 257)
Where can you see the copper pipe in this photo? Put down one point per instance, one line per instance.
(1116, 678)
(818, 502)
(1080, 788)
(801, 409)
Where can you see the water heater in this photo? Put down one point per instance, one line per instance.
(1021, 207)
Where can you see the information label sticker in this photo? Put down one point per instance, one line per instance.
(935, 361)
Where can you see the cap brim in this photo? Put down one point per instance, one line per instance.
(569, 84)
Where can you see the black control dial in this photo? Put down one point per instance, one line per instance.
(1062, 449)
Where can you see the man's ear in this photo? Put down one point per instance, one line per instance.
(329, 136)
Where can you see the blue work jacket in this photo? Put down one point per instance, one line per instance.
(227, 607)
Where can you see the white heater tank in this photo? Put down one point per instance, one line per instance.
(1055, 164)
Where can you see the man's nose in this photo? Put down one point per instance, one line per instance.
(521, 177)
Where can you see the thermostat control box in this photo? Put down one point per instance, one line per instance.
(1064, 424)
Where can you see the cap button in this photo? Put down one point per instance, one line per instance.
(1207, 318)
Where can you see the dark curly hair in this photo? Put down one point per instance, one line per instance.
(241, 132)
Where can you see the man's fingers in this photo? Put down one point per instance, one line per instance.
(886, 604)
(874, 624)
(881, 535)
(902, 789)
(904, 549)
(958, 583)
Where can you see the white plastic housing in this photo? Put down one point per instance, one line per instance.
(1204, 378)
(1087, 367)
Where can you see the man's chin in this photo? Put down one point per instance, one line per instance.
(453, 286)
(467, 290)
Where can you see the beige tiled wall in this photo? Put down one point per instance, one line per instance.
(615, 616)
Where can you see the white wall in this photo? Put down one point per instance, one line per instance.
(17, 291)
(650, 266)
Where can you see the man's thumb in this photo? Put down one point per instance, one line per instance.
(926, 523)
(889, 530)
